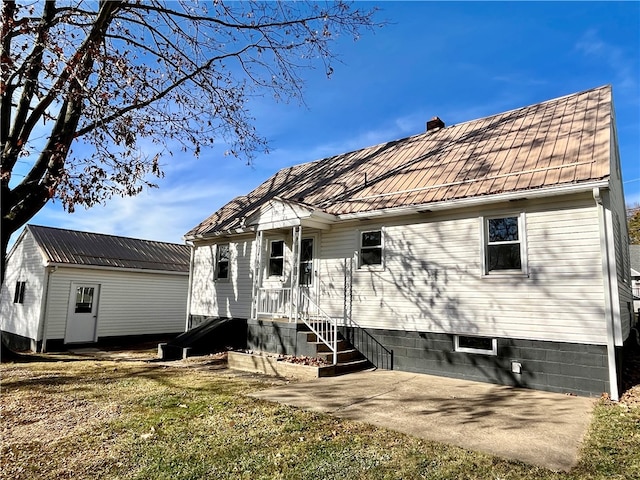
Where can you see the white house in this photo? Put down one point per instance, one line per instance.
(634, 251)
(69, 287)
(492, 250)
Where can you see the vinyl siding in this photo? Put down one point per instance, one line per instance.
(223, 298)
(25, 263)
(621, 243)
(433, 281)
(130, 303)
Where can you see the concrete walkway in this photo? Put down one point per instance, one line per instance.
(540, 428)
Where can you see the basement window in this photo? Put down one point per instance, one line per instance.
(276, 258)
(472, 344)
(18, 295)
(222, 262)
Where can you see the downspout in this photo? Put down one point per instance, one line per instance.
(42, 330)
(257, 276)
(608, 295)
(189, 289)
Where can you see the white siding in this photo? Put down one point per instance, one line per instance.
(25, 263)
(621, 263)
(432, 279)
(130, 303)
(228, 297)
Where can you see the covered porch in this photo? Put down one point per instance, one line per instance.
(286, 269)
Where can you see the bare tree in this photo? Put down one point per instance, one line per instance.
(633, 223)
(83, 82)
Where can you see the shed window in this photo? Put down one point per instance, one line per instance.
(371, 248)
(222, 261)
(503, 244)
(276, 258)
(84, 300)
(18, 295)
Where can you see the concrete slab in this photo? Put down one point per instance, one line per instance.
(540, 428)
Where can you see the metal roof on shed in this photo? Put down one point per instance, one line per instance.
(558, 142)
(95, 249)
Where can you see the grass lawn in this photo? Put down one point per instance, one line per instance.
(72, 417)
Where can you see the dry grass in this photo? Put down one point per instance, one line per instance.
(122, 417)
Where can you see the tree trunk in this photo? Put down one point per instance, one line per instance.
(5, 233)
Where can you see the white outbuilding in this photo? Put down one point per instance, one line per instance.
(70, 287)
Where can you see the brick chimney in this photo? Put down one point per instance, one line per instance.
(434, 124)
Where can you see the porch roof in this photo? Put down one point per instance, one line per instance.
(280, 213)
(562, 142)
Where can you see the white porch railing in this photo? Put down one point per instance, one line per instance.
(274, 302)
(325, 327)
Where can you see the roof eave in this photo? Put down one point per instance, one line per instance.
(219, 234)
(477, 201)
(114, 268)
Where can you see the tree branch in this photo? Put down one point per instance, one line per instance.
(119, 113)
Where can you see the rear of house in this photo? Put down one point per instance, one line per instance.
(68, 287)
(493, 250)
(634, 251)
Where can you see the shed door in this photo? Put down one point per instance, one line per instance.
(82, 318)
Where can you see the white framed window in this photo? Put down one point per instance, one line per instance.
(276, 258)
(371, 249)
(503, 240)
(474, 344)
(222, 261)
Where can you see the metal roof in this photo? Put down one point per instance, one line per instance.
(72, 247)
(559, 142)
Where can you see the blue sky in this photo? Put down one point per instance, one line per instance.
(457, 60)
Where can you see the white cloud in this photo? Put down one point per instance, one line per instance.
(592, 45)
(164, 214)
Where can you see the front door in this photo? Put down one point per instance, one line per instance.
(82, 317)
(308, 269)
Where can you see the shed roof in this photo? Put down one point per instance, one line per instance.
(554, 143)
(72, 247)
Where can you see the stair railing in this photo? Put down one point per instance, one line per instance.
(319, 322)
(374, 351)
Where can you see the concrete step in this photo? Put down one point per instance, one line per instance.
(321, 347)
(343, 355)
(352, 366)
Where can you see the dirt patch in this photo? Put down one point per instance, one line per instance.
(42, 417)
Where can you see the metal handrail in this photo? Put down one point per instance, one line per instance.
(374, 351)
(323, 325)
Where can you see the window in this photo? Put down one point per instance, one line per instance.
(276, 258)
(483, 345)
(222, 261)
(503, 244)
(18, 295)
(371, 248)
(84, 300)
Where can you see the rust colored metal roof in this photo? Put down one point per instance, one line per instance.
(558, 142)
(94, 249)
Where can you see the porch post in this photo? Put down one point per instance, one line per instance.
(295, 273)
(257, 275)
